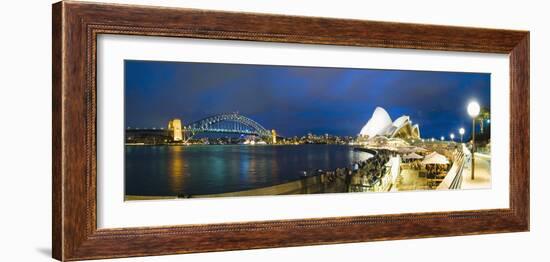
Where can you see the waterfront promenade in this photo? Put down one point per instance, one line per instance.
(373, 175)
(365, 175)
(409, 180)
(482, 173)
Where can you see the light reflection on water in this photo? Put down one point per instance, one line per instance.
(192, 170)
(176, 169)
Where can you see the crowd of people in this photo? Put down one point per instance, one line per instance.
(365, 173)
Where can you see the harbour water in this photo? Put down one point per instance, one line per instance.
(214, 169)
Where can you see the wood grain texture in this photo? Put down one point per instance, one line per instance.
(519, 129)
(76, 26)
(57, 199)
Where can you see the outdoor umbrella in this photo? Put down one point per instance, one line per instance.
(413, 156)
(420, 149)
(435, 158)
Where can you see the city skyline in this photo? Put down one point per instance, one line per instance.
(299, 100)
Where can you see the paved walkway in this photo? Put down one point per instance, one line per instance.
(482, 173)
(410, 180)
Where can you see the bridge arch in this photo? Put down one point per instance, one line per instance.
(227, 123)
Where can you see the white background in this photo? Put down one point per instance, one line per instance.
(113, 212)
(25, 81)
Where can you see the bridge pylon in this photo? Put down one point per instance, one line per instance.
(175, 130)
(273, 136)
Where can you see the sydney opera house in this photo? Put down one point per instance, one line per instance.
(381, 125)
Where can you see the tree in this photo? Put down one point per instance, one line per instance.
(484, 114)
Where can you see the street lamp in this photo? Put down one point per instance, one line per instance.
(461, 131)
(473, 111)
(442, 138)
(452, 136)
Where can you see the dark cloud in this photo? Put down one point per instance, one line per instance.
(297, 100)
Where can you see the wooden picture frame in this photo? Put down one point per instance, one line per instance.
(76, 26)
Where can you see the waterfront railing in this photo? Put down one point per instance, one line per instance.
(453, 179)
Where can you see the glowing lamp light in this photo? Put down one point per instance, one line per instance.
(473, 109)
(461, 131)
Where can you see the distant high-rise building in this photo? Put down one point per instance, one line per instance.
(174, 130)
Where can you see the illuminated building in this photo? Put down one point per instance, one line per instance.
(273, 136)
(380, 124)
(174, 130)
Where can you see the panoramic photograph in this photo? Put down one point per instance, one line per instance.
(201, 130)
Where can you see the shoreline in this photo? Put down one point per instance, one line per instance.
(309, 184)
(324, 181)
(176, 144)
(304, 185)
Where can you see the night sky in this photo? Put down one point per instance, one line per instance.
(298, 100)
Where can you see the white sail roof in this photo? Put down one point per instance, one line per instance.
(378, 124)
(399, 122)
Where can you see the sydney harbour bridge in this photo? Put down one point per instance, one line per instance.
(225, 123)
(231, 123)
